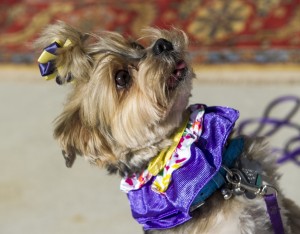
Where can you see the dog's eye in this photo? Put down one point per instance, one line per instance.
(122, 79)
(137, 46)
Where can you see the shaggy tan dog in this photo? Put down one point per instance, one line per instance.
(127, 103)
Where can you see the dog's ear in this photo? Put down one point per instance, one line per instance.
(78, 138)
(68, 131)
(64, 56)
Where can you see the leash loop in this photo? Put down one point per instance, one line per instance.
(268, 190)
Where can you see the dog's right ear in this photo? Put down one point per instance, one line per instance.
(69, 131)
(78, 138)
(64, 56)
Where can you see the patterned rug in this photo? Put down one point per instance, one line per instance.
(220, 31)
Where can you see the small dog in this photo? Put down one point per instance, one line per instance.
(182, 168)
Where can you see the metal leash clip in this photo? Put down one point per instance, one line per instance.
(239, 185)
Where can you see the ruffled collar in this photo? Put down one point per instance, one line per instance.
(163, 200)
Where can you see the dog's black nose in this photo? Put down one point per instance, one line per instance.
(162, 45)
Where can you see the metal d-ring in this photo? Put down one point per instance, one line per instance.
(233, 177)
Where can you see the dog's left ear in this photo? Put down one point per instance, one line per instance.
(65, 57)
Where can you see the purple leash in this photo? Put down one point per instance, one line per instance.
(291, 150)
(274, 213)
(287, 153)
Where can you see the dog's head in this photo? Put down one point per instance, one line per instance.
(127, 98)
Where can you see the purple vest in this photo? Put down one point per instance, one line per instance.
(162, 211)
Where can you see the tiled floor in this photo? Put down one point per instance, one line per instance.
(39, 195)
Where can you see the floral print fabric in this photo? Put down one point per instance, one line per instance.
(178, 158)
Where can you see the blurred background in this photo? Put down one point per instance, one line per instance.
(246, 54)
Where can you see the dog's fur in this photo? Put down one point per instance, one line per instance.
(122, 127)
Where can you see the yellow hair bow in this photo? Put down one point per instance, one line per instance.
(47, 58)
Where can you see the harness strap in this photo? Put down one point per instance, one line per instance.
(230, 156)
(232, 152)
